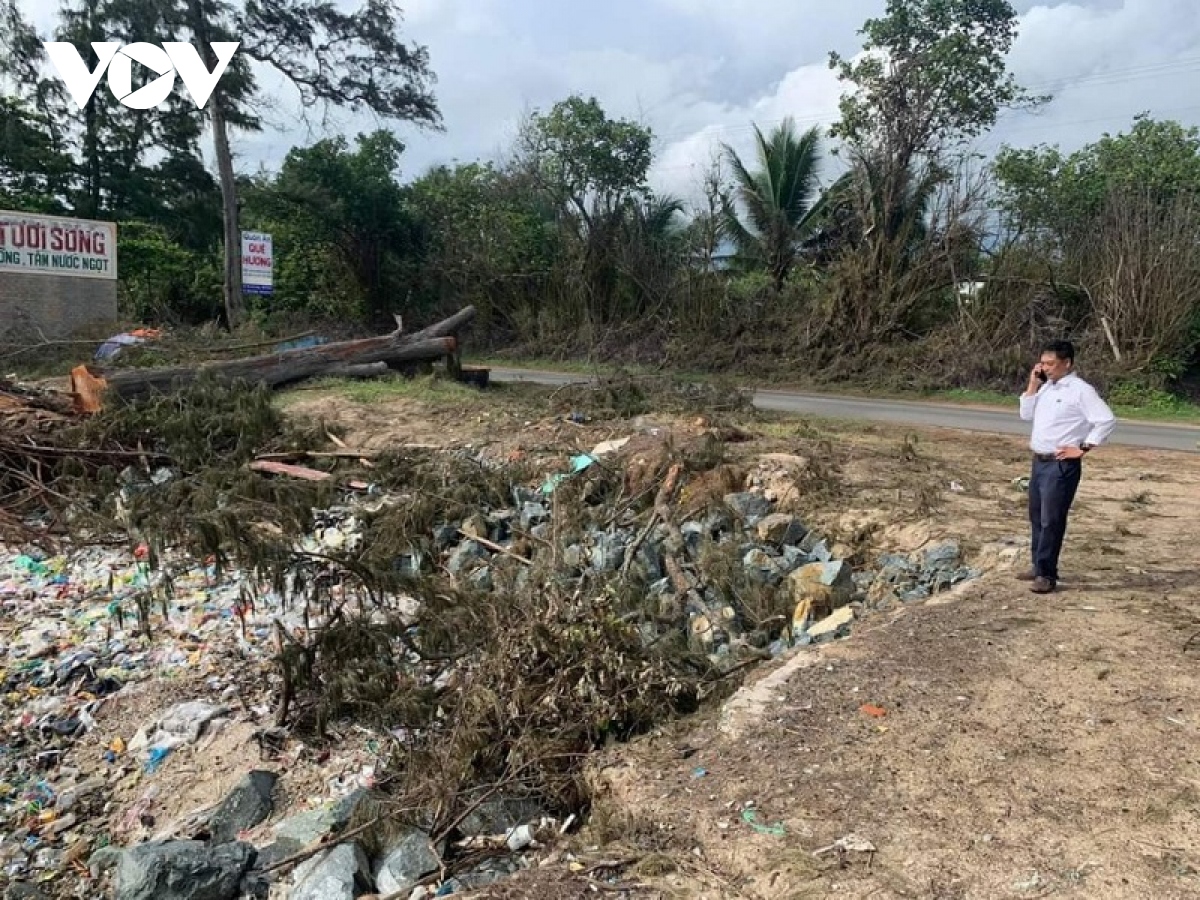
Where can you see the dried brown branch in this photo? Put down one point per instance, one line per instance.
(1142, 272)
(325, 842)
(496, 548)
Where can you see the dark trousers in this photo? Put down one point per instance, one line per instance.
(1052, 487)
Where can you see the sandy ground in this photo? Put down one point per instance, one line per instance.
(1029, 746)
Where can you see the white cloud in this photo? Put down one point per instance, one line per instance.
(808, 94)
(779, 34)
(1103, 66)
(699, 72)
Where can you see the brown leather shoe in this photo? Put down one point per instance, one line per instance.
(1027, 575)
(1041, 585)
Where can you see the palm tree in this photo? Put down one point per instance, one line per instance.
(654, 219)
(857, 206)
(650, 252)
(780, 199)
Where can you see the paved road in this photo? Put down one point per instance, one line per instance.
(907, 412)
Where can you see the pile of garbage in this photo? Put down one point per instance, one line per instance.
(71, 642)
(736, 577)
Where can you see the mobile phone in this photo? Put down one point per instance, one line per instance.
(1041, 376)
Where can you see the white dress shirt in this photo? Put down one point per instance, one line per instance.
(1067, 413)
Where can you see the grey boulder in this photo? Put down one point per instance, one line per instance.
(182, 870)
(409, 859)
(337, 874)
(248, 804)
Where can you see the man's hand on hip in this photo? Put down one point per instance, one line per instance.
(1068, 453)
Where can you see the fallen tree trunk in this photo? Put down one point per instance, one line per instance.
(447, 327)
(362, 370)
(450, 326)
(392, 350)
(280, 368)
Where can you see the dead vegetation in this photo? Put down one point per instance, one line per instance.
(503, 690)
(623, 395)
(163, 470)
(486, 691)
(487, 684)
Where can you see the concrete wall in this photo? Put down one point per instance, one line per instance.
(61, 306)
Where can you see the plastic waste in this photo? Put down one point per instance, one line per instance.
(311, 340)
(157, 755)
(115, 344)
(579, 463)
(750, 817)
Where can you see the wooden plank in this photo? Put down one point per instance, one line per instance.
(271, 467)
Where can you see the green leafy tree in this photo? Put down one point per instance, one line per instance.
(781, 199)
(650, 254)
(334, 57)
(128, 158)
(34, 173)
(37, 170)
(487, 239)
(1058, 196)
(146, 165)
(1115, 226)
(18, 40)
(163, 281)
(656, 220)
(594, 171)
(854, 210)
(339, 217)
(594, 166)
(106, 160)
(932, 77)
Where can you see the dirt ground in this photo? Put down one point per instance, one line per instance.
(1028, 746)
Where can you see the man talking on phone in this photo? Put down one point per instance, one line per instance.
(1069, 419)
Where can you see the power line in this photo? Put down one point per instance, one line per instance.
(1044, 126)
(1112, 76)
(1185, 64)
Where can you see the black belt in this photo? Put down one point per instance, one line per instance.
(1045, 457)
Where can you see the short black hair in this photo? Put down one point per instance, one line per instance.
(1061, 349)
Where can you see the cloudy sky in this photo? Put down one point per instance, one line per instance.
(699, 72)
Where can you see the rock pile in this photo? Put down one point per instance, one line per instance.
(733, 576)
(780, 559)
(220, 867)
(910, 578)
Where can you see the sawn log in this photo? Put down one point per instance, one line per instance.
(274, 369)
